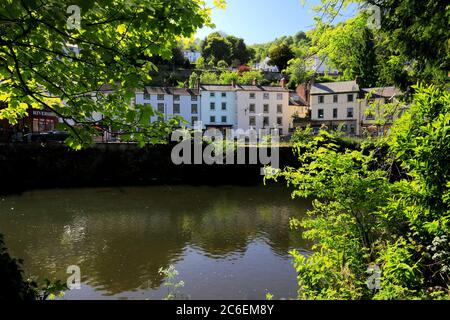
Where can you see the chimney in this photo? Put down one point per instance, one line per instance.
(255, 82)
(358, 80)
(283, 83)
(197, 84)
(233, 83)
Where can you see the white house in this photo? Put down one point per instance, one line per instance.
(192, 55)
(265, 66)
(335, 103)
(172, 102)
(263, 108)
(219, 105)
(320, 66)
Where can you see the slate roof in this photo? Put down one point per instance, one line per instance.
(334, 87)
(172, 91)
(381, 92)
(296, 100)
(238, 87)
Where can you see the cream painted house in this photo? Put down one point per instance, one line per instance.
(373, 117)
(335, 104)
(263, 108)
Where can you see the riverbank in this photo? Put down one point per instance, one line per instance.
(33, 166)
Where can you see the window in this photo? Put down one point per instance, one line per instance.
(279, 121)
(212, 119)
(224, 119)
(321, 99)
(194, 120)
(266, 108)
(161, 110)
(350, 97)
(265, 96)
(279, 96)
(212, 106)
(252, 96)
(352, 128)
(335, 113)
(349, 112)
(193, 98)
(194, 109)
(176, 108)
(320, 113)
(370, 116)
(335, 98)
(224, 106)
(224, 94)
(176, 97)
(252, 108)
(252, 121)
(212, 94)
(266, 121)
(279, 108)
(160, 97)
(344, 128)
(147, 96)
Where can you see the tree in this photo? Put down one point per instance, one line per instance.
(280, 55)
(209, 78)
(401, 229)
(413, 32)
(298, 72)
(113, 44)
(240, 54)
(350, 47)
(222, 65)
(216, 48)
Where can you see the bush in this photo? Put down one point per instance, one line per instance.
(363, 216)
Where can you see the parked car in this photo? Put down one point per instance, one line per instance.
(50, 136)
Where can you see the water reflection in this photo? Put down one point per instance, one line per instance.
(121, 237)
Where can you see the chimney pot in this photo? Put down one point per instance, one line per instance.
(283, 83)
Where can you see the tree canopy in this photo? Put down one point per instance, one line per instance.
(112, 41)
(220, 47)
(280, 55)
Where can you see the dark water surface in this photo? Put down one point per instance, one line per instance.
(226, 242)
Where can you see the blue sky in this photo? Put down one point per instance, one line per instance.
(258, 21)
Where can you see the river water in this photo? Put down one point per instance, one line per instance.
(225, 242)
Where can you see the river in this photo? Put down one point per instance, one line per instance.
(226, 242)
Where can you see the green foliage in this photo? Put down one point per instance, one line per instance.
(280, 55)
(366, 214)
(350, 48)
(219, 47)
(13, 286)
(302, 135)
(38, 70)
(411, 44)
(171, 283)
(298, 72)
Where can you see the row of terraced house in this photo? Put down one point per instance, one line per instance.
(330, 105)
